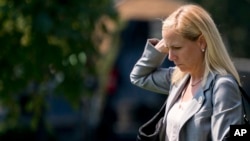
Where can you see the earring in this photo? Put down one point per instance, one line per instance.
(203, 49)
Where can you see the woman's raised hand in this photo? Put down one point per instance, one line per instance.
(159, 45)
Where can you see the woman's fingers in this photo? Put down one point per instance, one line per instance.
(160, 46)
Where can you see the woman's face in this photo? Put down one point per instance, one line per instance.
(186, 54)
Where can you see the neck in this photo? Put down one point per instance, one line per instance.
(196, 77)
(196, 82)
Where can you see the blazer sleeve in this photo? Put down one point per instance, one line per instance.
(227, 109)
(147, 73)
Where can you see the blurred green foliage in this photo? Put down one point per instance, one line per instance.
(47, 45)
(232, 18)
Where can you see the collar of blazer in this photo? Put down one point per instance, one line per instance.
(197, 101)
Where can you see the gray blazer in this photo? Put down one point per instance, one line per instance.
(213, 109)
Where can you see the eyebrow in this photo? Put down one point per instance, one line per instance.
(172, 45)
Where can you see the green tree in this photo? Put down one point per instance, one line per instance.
(49, 46)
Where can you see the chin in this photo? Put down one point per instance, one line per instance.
(182, 69)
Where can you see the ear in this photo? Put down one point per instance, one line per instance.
(202, 42)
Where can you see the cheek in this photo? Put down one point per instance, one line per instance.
(187, 54)
(194, 58)
(190, 56)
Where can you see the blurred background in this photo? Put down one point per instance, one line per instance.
(65, 64)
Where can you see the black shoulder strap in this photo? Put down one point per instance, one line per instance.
(246, 104)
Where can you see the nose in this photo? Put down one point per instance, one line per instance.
(171, 55)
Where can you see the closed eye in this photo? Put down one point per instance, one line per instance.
(175, 47)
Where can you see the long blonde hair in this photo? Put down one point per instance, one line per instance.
(191, 21)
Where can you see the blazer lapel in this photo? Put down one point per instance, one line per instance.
(197, 101)
(194, 106)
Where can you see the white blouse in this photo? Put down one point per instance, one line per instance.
(174, 118)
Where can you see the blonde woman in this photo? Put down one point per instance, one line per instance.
(203, 94)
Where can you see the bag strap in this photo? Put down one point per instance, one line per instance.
(244, 95)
